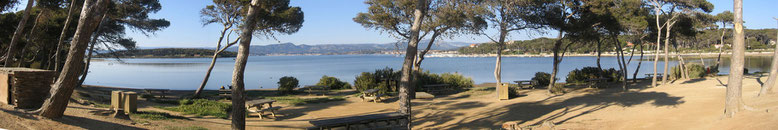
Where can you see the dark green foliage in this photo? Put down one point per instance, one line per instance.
(167, 52)
(696, 71)
(383, 79)
(580, 76)
(287, 84)
(153, 115)
(202, 107)
(333, 83)
(542, 78)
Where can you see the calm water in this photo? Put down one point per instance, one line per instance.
(264, 71)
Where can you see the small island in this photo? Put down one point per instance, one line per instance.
(165, 53)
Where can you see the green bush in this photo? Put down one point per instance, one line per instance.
(377, 80)
(675, 73)
(696, 71)
(287, 84)
(202, 107)
(542, 78)
(580, 76)
(333, 83)
(455, 80)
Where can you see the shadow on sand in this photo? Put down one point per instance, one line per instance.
(524, 112)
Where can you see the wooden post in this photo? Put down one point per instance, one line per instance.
(130, 102)
(116, 100)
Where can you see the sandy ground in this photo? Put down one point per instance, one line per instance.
(695, 104)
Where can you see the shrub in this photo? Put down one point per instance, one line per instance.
(696, 71)
(202, 107)
(287, 84)
(365, 81)
(580, 76)
(455, 80)
(333, 83)
(675, 73)
(542, 78)
(377, 80)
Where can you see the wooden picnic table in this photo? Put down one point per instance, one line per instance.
(435, 88)
(260, 109)
(311, 88)
(161, 91)
(651, 75)
(365, 120)
(523, 83)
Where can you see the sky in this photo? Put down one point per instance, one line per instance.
(330, 22)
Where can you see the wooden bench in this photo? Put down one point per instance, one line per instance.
(320, 89)
(225, 94)
(651, 75)
(436, 88)
(370, 121)
(152, 91)
(371, 95)
(259, 108)
(526, 84)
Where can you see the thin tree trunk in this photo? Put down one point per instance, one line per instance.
(62, 35)
(17, 34)
(640, 61)
(238, 99)
(91, 50)
(622, 62)
(767, 88)
(417, 66)
(734, 95)
(213, 63)
(498, 62)
(667, 52)
(406, 85)
(29, 38)
(56, 103)
(599, 55)
(656, 53)
(556, 61)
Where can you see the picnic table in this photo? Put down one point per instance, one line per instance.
(152, 91)
(321, 88)
(225, 93)
(371, 95)
(526, 83)
(651, 75)
(260, 108)
(435, 88)
(370, 121)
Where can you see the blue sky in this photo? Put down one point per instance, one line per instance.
(329, 22)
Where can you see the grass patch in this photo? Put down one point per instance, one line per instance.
(184, 128)
(100, 105)
(292, 100)
(153, 115)
(476, 91)
(202, 107)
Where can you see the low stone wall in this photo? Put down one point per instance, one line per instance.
(28, 87)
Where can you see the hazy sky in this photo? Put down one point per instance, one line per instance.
(329, 22)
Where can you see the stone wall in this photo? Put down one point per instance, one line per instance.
(28, 87)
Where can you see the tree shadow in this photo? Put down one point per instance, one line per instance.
(528, 111)
(303, 109)
(693, 81)
(92, 124)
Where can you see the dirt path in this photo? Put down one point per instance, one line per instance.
(696, 104)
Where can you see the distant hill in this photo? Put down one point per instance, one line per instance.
(329, 49)
(167, 53)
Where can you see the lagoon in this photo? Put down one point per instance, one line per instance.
(263, 72)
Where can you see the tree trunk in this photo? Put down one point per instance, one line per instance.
(238, 100)
(767, 88)
(622, 62)
(417, 64)
(55, 104)
(656, 54)
(667, 52)
(406, 87)
(640, 61)
(91, 49)
(17, 34)
(213, 63)
(498, 62)
(734, 94)
(29, 38)
(555, 68)
(62, 35)
(599, 54)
